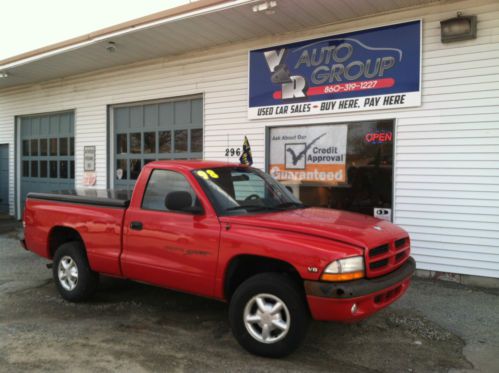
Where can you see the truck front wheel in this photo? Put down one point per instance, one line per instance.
(74, 279)
(268, 315)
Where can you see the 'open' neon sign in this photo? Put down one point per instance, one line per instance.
(378, 137)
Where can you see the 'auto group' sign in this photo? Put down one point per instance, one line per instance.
(364, 70)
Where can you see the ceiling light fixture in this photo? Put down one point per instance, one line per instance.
(266, 6)
(111, 46)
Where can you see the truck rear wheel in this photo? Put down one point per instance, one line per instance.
(268, 315)
(73, 277)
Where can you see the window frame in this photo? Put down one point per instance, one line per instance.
(203, 210)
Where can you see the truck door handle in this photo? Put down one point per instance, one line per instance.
(136, 225)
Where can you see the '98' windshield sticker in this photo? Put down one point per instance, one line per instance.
(208, 174)
(212, 174)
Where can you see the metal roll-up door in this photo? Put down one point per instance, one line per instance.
(154, 131)
(47, 153)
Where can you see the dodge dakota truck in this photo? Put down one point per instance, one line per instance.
(229, 232)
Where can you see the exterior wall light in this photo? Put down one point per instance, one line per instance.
(458, 28)
(3, 75)
(266, 6)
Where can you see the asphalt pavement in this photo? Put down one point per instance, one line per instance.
(435, 327)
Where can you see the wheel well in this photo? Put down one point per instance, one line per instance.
(245, 266)
(61, 235)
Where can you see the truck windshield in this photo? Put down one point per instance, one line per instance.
(244, 190)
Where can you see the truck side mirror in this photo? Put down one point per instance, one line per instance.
(181, 201)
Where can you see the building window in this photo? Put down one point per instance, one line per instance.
(121, 144)
(34, 148)
(43, 147)
(135, 168)
(43, 169)
(25, 168)
(180, 141)
(121, 169)
(197, 140)
(341, 166)
(63, 147)
(149, 142)
(63, 169)
(53, 169)
(26, 148)
(135, 143)
(165, 141)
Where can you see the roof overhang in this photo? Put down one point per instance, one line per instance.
(196, 26)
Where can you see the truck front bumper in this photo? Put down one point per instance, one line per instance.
(355, 300)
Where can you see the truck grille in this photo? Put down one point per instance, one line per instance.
(384, 259)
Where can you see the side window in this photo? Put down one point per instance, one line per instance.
(160, 184)
(247, 184)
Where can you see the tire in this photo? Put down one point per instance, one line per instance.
(246, 304)
(73, 277)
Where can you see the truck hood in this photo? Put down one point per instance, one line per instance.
(354, 229)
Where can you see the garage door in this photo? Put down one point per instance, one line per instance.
(47, 153)
(156, 131)
(4, 178)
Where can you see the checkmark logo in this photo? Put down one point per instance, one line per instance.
(297, 153)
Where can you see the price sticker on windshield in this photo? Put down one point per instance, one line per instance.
(203, 175)
(212, 174)
(208, 174)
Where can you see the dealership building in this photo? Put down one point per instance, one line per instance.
(387, 108)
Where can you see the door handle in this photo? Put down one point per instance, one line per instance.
(136, 225)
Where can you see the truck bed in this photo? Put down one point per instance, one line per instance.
(101, 197)
(96, 215)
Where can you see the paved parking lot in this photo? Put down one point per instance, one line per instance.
(436, 327)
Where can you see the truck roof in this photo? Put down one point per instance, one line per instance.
(192, 164)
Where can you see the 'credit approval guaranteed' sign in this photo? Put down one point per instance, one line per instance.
(309, 153)
(378, 68)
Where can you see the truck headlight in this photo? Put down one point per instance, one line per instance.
(344, 269)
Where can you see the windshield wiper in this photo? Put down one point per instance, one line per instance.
(278, 207)
(250, 207)
(285, 205)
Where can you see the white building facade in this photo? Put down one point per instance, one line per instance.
(94, 122)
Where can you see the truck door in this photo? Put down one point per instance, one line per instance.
(168, 247)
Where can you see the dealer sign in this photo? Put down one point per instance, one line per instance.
(309, 153)
(378, 68)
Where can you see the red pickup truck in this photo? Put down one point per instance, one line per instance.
(228, 232)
